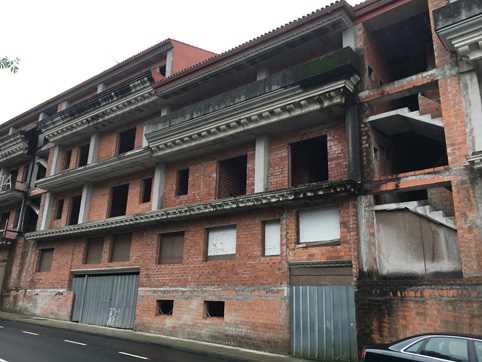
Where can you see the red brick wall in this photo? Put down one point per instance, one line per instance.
(185, 55)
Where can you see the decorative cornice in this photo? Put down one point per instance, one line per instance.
(13, 147)
(266, 199)
(121, 165)
(267, 110)
(63, 126)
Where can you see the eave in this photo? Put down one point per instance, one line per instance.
(128, 163)
(303, 194)
(13, 149)
(10, 197)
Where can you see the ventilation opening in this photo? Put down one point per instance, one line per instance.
(165, 307)
(182, 182)
(127, 140)
(119, 200)
(84, 155)
(309, 161)
(146, 190)
(75, 210)
(232, 177)
(214, 309)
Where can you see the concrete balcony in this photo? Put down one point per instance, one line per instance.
(287, 100)
(291, 196)
(127, 102)
(459, 26)
(13, 149)
(114, 167)
(11, 192)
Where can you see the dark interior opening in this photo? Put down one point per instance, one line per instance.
(401, 196)
(309, 161)
(58, 209)
(162, 70)
(146, 190)
(67, 158)
(171, 248)
(41, 171)
(214, 309)
(84, 155)
(31, 215)
(127, 140)
(182, 182)
(119, 200)
(75, 210)
(165, 307)
(3, 220)
(232, 177)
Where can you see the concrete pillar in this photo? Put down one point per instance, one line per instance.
(100, 88)
(93, 148)
(349, 38)
(261, 163)
(48, 201)
(352, 129)
(473, 107)
(158, 186)
(55, 161)
(169, 62)
(85, 203)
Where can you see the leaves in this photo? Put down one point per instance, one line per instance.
(8, 63)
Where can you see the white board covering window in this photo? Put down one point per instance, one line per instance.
(272, 238)
(319, 225)
(222, 241)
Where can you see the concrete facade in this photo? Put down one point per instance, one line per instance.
(371, 113)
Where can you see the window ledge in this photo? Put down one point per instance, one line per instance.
(335, 242)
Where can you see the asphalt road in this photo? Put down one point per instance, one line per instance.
(23, 342)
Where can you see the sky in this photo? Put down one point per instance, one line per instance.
(62, 43)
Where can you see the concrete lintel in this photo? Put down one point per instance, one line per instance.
(158, 186)
(261, 164)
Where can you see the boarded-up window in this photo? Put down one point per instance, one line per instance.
(45, 260)
(94, 250)
(171, 248)
(221, 242)
(272, 238)
(319, 225)
(121, 248)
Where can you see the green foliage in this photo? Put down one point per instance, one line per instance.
(7, 63)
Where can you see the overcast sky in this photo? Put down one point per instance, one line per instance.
(61, 43)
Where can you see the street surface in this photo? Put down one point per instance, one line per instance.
(23, 342)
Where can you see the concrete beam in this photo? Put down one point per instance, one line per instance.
(85, 203)
(93, 147)
(48, 201)
(261, 164)
(158, 187)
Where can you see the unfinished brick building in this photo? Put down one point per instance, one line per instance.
(308, 192)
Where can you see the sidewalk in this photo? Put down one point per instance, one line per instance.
(176, 343)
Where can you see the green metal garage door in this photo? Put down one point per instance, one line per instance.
(105, 300)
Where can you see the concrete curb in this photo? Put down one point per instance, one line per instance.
(165, 341)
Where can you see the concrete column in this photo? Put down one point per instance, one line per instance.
(85, 203)
(93, 147)
(55, 161)
(352, 129)
(169, 62)
(473, 107)
(48, 201)
(349, 38)
(261, 163)
(158, 186)
(100, 88)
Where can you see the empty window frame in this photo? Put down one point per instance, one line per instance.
(171, 248)
(118, 203)
(127, 141)
(319, 225)
(75, 210)
(232, 175)
(45, 259)
(84, 155)
(67, 158)
(59, 207)
(4, 220)
(165, 307)
(221, 242)
(182, 182)
(309, 161)
(146, 189)
(121, 248)
(214, 309)
(272, 238)
(93, 251)
(41, 171)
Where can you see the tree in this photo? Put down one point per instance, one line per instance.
(8, 63)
